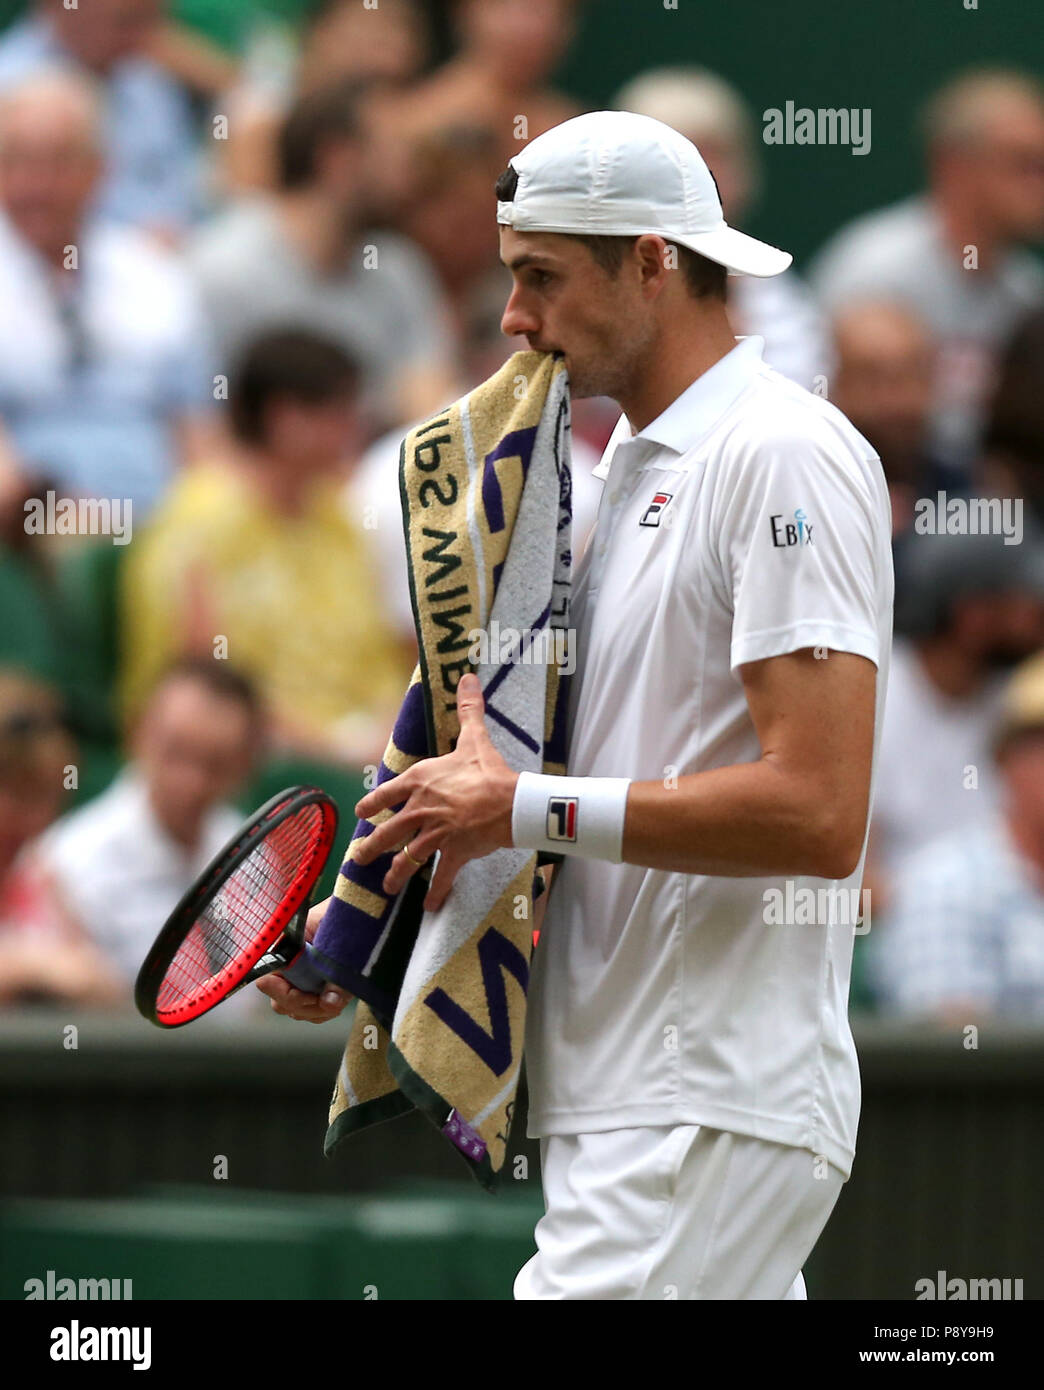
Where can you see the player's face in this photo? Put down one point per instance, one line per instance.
(563, 301)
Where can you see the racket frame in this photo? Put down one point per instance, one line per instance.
(194, 902)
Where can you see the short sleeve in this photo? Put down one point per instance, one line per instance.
(803, 548)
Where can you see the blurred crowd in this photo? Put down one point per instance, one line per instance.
(235, 267)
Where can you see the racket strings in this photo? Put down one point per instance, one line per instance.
(249, 913)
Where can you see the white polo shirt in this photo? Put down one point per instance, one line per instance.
(749, 520)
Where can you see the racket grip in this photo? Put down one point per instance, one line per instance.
(303, 975)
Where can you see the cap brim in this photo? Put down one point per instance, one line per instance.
(744, 255)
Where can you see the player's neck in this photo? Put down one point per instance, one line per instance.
(676, 359)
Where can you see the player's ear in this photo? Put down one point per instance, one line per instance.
(655, 259)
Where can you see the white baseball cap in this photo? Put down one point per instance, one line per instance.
(615, 173)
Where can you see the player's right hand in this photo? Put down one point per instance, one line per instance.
(295, 1003)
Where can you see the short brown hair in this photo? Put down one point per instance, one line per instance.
(704, 279)
(287, 364)
(220, 680)
(316, 119)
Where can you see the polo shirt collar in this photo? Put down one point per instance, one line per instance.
(688, 418)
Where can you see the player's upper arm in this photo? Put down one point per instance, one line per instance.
(814, 717)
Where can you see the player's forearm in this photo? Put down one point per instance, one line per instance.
(747, 820)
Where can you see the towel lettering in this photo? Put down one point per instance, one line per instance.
(457, 638)
(430, 485)
(434, 555)
(451, 669)
(427, 457)
(496, 954)
(441, 563)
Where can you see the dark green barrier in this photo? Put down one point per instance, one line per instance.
(946, 1175)
(436, 1244)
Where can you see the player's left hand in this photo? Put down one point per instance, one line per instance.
(459, 804)
(295, 1003)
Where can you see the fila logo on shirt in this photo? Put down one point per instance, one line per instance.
(653, 512)
(796, 532)
(561, 818)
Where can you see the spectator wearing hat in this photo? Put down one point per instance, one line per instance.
(965, 938)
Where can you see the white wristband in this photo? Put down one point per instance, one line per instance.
(570, 815)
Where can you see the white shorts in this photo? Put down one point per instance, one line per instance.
(682, 1212)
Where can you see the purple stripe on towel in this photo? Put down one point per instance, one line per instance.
(517, 444)
(467, 1140)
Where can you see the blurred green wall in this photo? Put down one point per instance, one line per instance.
(887, 55)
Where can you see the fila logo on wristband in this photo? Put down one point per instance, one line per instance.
(561, 818)
(545, 815)
(653, 512)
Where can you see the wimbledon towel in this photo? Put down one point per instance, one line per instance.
(486, 498)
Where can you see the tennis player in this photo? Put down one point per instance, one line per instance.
(692, 1076)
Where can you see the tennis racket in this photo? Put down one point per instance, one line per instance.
(245, 915)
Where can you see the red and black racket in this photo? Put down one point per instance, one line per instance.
(245, 915)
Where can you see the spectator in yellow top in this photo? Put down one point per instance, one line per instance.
(254, 558)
